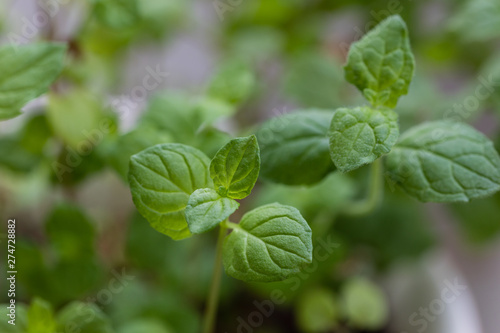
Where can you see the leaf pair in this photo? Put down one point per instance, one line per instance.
(234, 170)
(180, 191)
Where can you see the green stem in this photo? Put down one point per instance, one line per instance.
(213, 297)
(375, 193)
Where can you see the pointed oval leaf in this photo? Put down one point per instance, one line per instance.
(206, 209)
(27, 72)
(235, 167)
(161, 180)
(381, 64)
(270, 243)
(295, 148)
(445, 162)
(361, 135)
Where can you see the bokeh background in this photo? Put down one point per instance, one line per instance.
(78, 231)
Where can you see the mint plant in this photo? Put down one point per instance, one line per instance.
(440, 161)
(181, 192)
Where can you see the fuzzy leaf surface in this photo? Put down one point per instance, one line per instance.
(294, 148)
(235, 167)
(381, 64)
(445, 162)
(162, 178)
(361, 135)
(270, 243)
(206, 209)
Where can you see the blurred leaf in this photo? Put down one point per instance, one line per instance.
(364, 304)
(314, 80)
(27, 72)
(477, 20)
(21, 322)
(133, 142)
(40, 317)
(209, 140)
(257, 43)
(143, 326)
(77, 118)
(117, 14)
(16, 158)
(479, 219)
(174, 113)
(35, 134)
(36, 279)
(158, 16)
(83, 318)
(233, 82)
(395, 232)
(23, 151)
(70, 233)
(317, 311)
(213, 108)
(145, 301)
(150, 254)
(294, 147)
(313, 199)
(73, 279)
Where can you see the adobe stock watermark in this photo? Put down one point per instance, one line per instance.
(31, 27)
(265, 309)
(122, 105)
(470, 104)
(103, 297)
(425, 315)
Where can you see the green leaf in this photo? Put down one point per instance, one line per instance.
(361, 135)
(477, 21)
(133, 142)
(117, 14)
(294, 148)
(70, 232)
(27, 72)
(40, 317)
(479, 219)
(144, 325)
(381, 64)
(235, 167)
(365, 305)
(318, 311)
(270, 243)
(83, 318)
(161, 180)
(78, 119)
(445, 162)
(175, 114)
(233, 83)
(314, 80)
(206, 209)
